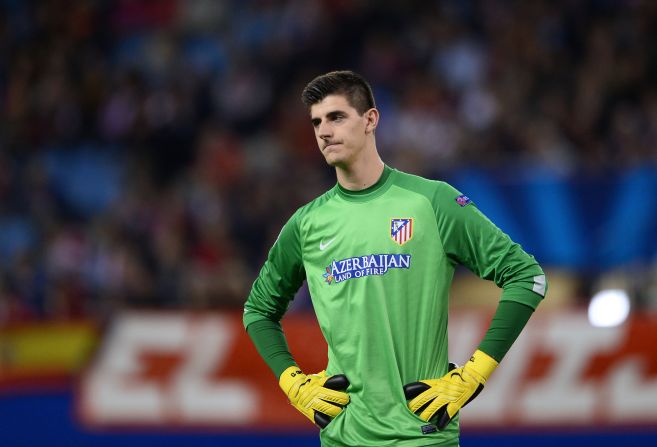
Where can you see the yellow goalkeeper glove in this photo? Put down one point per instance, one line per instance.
(315, 395)
(438, 400)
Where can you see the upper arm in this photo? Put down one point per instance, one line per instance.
(279, 279)
(471, 239)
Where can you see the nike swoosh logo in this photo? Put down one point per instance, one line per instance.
(322, 245)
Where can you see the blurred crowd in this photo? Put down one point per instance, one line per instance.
(151, 150)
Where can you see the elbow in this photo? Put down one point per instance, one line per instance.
(540, 285)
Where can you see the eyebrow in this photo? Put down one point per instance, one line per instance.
(331, 115)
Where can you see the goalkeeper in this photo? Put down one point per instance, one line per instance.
(378, 251)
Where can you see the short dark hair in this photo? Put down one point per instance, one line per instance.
(345, 82)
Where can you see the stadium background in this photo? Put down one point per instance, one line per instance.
(151, 150)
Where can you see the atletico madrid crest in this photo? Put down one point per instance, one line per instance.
(401, 230)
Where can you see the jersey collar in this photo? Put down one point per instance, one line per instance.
(370, 193)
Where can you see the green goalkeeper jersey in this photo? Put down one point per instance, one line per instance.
(379, 264)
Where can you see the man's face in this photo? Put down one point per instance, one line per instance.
(340, 131)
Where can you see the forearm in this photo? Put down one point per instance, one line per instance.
(269, 340)
(508, 321)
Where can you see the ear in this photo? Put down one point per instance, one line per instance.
(372, 120)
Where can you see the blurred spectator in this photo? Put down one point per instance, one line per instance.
(150, 151)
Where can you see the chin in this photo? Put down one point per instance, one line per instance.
(334, 161)
(336, 158)
(331, 158)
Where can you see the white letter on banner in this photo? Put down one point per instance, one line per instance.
(202, 398)
(563, 396)
(116, 392)
(632, 397)
(112, 393)
(495, 404)
(465, 333)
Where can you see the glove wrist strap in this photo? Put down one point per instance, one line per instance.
(289, 377)
(482, 365)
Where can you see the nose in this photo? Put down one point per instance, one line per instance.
(324, 131)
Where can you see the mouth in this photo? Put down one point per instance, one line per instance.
(327, 146)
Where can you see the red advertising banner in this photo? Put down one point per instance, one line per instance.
(201, 370)
(176, 370)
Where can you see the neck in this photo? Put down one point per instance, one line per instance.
(361, 174)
